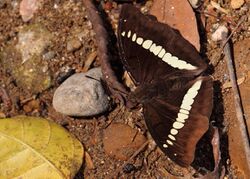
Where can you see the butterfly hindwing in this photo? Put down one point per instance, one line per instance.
(151, 50)
(176, 122)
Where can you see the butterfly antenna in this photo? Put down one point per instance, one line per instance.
(105, 84)
(90, 77)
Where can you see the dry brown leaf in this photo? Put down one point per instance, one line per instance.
(179, 15)
(89, 161)
(90, 59)
(28, 8)
(229, 85)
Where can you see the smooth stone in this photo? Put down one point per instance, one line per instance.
(49, 55)
(28, 8)
(121, 141)
(236, 4)
(81, 96)
(220, 33)
(73, 45)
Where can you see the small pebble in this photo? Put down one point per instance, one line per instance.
(73, 45)
(49, 55)
(28, 8)
(31, 106)
(220, 33)
(3, 3)
(236, 4)
(2, 115)
(108, 6)
(81, 96)
(195, 3)
(128, 168)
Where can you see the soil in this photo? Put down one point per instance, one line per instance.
(69, 17)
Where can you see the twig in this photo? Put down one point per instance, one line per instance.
(90, 59)
(216, 147)
(225, 41)
(89, 162)
(132, 157)
(215, 141)
(113, 118)
(24, 101)
(217, 6)
(117, 89)
(234, 30)
(229, 85)
(5, 98)
(238, 104)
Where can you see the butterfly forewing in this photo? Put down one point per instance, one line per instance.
(151, 50)
(177, 124)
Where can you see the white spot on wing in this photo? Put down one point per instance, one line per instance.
(196, 86)
(178, 125)
(183, 111)
(134, 37)
(174, 131)
(170, 142)
(147, 43)
(174, 61)
(162, 53)
(165, 145)
(190, 67)
(139, 40)
(180, 120)
(171, 137)
(180, 64)
(167, 57)
(159, 51)
(177, 63)
(182, 116)
(192, 94)
(155, 49)
(129, 34)
(188, 101)
(185, 106)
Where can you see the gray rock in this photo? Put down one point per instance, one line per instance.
(49, 55)
(81, 96)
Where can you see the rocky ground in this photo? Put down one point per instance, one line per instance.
(41, 48)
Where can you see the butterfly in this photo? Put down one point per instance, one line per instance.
(176, 97)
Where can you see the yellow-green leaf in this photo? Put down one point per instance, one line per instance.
(32, 147)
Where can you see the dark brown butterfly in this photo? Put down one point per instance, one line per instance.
(167, 70)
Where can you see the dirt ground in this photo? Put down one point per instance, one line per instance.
(70, 17)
